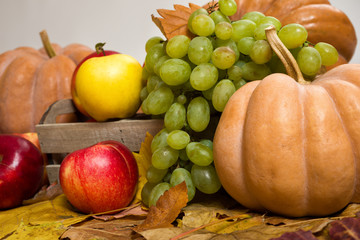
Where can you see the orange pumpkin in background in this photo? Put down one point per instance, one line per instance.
(324, 22)
(31, 80)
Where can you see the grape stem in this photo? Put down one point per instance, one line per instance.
(285, 55)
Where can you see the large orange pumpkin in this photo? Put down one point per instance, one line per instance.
(30, 81)
(324, 22)
(290, 147)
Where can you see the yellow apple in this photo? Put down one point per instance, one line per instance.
(109, 86)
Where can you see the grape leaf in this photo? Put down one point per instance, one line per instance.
(166, 210)
(347, 228)
(174, 22)
(298, 235)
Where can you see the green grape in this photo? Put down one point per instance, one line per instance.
(199, 154)
(194, 14)
(208, 93)
(207, 142)
(177, 46)
(159, 63)
(204, 76)
(254, 16)
(181, 99)
(145, 192)
(182, 155)
(245, 44)
(159, 140)
(222, 93)
(144, 107)
(152, 41)
(243, 28)
(178, 139)
(167, 177)
(309, 61)
(152, 81)
(200, 49)
(205, 179)
(175, 117)
(175, 71)
(329, 54)
(272, 21)
(203, 25)
(252, 71)
(223, 57)
(157, 192)
(276, 65)
(145, 75)
(293, 35)
(259, 32)
(143, 93)
(228, 7)
(295, 51)
(180, 175)
(186, 165)
(159, 100)
(261, 52)
(234, 73)
(228, 43)
(153, 56)
(164, 157)
(198, 114)
(155, 175)
(217, 16)
(223, 30)
(239, 84)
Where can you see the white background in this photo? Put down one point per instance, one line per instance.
(124, 25)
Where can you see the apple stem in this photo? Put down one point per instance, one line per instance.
(47, 44)
(99, 47)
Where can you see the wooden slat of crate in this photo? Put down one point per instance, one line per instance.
(68, 137)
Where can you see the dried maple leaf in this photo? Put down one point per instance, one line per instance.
(347, 228)
(166, 210)
(174, 22)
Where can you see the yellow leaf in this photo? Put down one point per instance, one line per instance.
(143, 159)
(54, 214)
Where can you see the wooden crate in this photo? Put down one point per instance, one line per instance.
(63, 138)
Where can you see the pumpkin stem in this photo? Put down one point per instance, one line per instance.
(47, 44)
(99, 47)
(285, 55)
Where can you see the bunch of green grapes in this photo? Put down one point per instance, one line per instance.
(190, 80)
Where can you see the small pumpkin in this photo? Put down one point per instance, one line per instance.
(31, 80)
(291, 147)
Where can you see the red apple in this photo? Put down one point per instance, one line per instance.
(99, 178)
(34, 138)
(98, 53)
(21, 170)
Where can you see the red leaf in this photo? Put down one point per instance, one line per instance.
(347, 228)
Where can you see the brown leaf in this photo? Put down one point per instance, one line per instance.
(45, 193)
(347, 228)
(97, 229)
(298, 235)
(167, 208)
(174, 22)
(134, 210)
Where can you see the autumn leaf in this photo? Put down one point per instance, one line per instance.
(347, 228)
(167, 208)
(298, 235)
(143, 160)
(174, 22)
